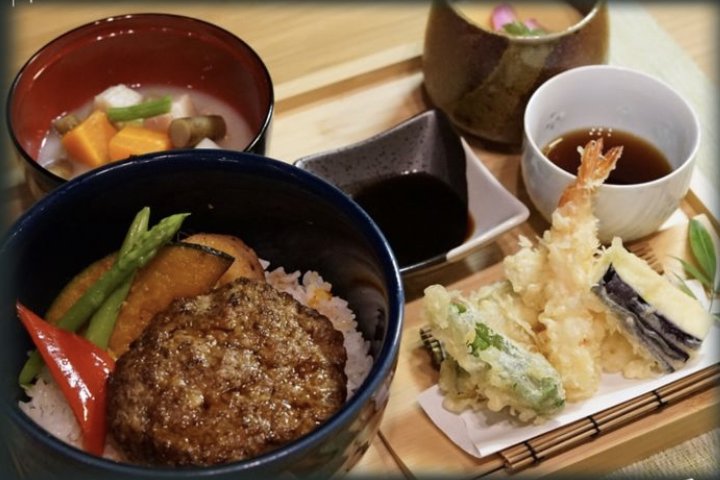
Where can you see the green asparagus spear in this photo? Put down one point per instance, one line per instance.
(31, 368)
(146, 109)
(34, 363)
(138, 227)
(142, 250)
(103, 320)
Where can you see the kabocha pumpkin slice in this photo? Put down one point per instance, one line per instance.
(246, 262)
(178, 270)
(75, 288)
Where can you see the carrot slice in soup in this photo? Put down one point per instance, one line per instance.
(133, 140)
(88, 142)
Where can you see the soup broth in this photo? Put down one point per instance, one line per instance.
(640, 162)
(239, 134)
(552, 16)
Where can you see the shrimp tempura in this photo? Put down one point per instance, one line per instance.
(555, 278)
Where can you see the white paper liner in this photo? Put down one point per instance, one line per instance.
(484, 432)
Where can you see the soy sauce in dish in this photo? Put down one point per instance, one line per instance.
(420, 215)
(640, 162)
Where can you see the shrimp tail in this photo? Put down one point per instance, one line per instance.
(594, 170)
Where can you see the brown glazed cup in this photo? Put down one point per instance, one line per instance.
(482, 80)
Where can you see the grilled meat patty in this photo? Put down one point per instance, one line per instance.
(226, 376)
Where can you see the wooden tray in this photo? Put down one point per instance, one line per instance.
(330, 107)
(409, 441)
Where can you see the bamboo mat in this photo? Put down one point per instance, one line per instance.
(562, 439)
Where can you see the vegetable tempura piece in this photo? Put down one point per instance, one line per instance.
(487, 365)
(658, 320)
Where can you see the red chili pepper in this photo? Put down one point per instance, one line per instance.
(80, 368)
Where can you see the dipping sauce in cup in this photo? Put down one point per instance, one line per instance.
(615, 99)
(642, 161)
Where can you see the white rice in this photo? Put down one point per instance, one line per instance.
(48, 408)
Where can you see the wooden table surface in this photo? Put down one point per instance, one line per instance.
(323, 57)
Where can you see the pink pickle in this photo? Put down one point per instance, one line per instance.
(532, 24)
(502, 15)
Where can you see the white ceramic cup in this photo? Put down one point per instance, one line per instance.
(622, 99)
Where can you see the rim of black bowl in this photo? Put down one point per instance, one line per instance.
(264, 128)
(253, 163)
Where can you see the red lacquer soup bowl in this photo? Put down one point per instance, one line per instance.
(135, 50)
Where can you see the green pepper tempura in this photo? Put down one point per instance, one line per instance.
(485, 365)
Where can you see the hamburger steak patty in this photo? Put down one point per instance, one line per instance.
(226, 376)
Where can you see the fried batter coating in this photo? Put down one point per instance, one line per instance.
(555, 278)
